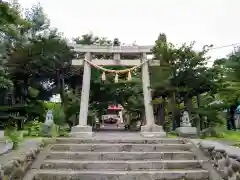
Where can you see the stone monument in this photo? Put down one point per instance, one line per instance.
(186, 129)
(47, 126)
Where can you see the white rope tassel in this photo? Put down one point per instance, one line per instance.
(129, 78)
(116, 78)
(103, 76)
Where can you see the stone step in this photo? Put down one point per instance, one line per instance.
(177, 155)
(117, 141)
(121, 147)
(121, 165)
(50, 174)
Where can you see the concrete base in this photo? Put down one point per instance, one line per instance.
(1, 134)
(80, 131)
(152, 131)
(187, 131)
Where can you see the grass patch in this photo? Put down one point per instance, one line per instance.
(236, 145)
(172, 135)
(225, 135)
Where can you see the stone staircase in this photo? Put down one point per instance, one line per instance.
(129, 159)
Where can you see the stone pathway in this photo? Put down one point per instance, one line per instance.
(229, 143)
(118, 135)
(5, 147)
(134, 135)
(222, 142)
(16, 162)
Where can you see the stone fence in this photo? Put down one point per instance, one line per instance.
(225, 159)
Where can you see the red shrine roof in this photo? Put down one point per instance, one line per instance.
(115, 107)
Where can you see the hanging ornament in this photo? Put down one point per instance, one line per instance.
(116, 78)
(129, 78)
(103, 76)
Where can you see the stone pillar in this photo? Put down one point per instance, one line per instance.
(150, 129)
(83, 129)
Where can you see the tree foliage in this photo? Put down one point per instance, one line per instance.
(35, 64)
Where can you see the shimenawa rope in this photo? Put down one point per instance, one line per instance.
(116, 72)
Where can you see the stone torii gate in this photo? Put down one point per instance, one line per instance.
(150, 129)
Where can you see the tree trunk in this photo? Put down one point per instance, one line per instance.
(25, 89)
(199, 122)
(60, 86)
(62, 91)
(175, 119)
(161, 114)
(155, 113)
(143, 118)
(188, 104)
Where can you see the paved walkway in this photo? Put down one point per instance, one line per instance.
(5, 147)
(105, 135)
(118, 135)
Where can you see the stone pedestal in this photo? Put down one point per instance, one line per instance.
(1, 134)
(121, 126)
(46, 131)
(152, 131)
(187, 131)
(80, 131)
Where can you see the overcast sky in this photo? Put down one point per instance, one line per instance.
(204, 21)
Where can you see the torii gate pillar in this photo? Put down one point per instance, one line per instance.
(83, 129)
(150, 129)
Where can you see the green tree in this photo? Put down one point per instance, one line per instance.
(183, 74)
(37, 58)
